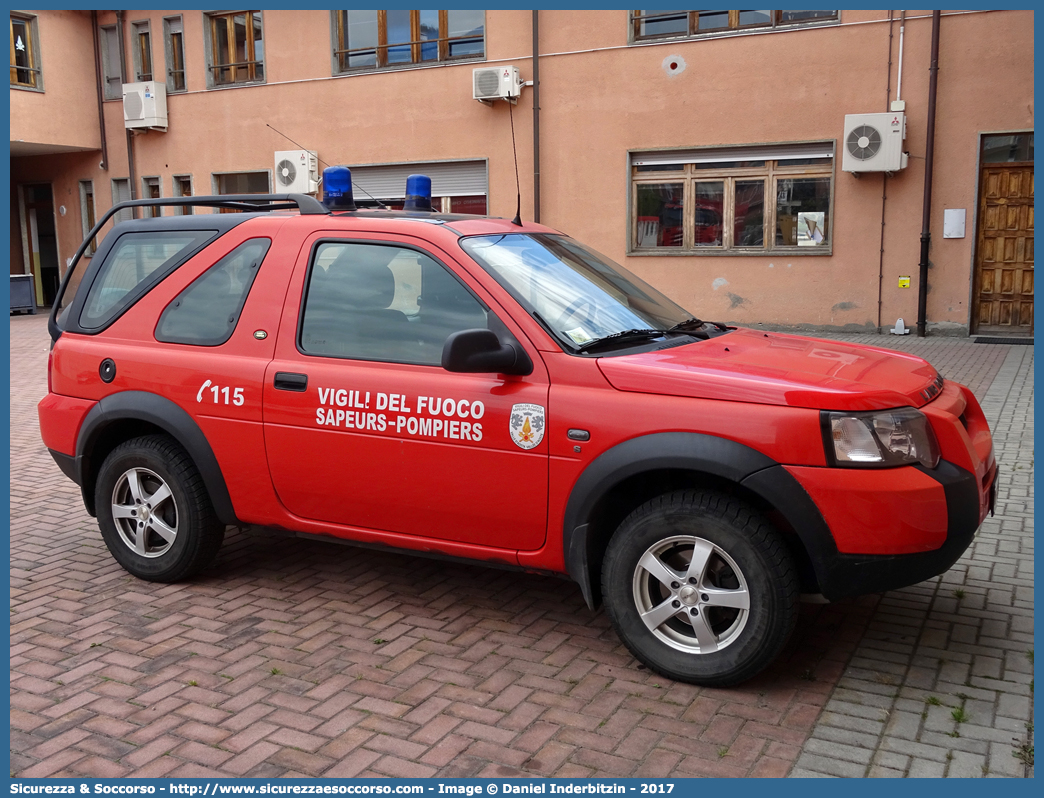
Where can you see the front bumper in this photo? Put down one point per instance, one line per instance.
(841, 575)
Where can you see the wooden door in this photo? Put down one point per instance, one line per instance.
(1004, 252)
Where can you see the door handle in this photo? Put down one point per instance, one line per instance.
(288, 381)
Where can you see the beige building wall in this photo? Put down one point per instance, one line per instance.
(600, 98)
(65, 114)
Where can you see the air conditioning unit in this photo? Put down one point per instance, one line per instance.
(145, 105)
(495, 83)
(874, 142)
(296, 172)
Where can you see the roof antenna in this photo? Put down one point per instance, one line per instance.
(518, 207)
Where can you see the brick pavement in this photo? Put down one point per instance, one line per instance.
(294, 657)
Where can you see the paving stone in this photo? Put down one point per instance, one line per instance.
(966, 766)
(828, 766)
(926, 769)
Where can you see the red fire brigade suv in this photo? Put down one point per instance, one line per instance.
(476, 388)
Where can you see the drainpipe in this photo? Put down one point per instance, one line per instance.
(536, 115)
(929, 159)
(902, 30)
(133, 178)
(98, 81)
(884, 186)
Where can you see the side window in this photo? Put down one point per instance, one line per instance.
(376, 302)
(134, 265)
(206, 313)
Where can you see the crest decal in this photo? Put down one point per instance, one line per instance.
(526, 425)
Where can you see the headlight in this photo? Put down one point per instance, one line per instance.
(886, 438)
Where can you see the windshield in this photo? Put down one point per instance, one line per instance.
(580, 295)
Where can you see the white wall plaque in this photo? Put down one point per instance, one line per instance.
(953, 222)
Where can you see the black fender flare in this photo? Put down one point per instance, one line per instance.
(687, 451)
(172, 419)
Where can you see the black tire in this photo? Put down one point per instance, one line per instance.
(705, 636)
(141, 470)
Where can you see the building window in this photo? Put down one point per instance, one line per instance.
(182, 188)
(382, 39)
(121, 193)
(475, 205)
(744, 200)
(87, 217)
(110, 46)
(174, 49)
(235, 48)
(669, 24)
(241, 183)
(150, 189)
(456, 186)
(25, 53)
(142, 51)
(1011, 148)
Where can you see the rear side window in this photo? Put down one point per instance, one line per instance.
(206, 313)
(133, 267)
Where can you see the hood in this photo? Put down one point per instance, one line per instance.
(777, 369)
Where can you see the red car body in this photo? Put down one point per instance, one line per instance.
(420, 458)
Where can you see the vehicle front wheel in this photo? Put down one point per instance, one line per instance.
(700, 588)
(154, 512)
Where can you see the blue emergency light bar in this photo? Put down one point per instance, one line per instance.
(418, 193)
(337, 188)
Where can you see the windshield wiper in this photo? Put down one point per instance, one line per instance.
(693, 323)
(623, 335)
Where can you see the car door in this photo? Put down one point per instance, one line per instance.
(364, 428)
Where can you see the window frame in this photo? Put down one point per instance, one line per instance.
(210, 44)
(148, 182)
(175, 187)
(35, 67)
(771, 173)
(88, 215)
(174, 53)
(127, 213)
(216, 180)
(109, 93)
(142, 51)
(341, 52)
(635, 19)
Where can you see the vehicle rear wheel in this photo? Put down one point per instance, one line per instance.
(154, 512)
(700, 588)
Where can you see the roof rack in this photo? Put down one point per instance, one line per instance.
(239, 202)
(256, 203)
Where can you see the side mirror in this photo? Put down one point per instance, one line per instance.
(480, 351)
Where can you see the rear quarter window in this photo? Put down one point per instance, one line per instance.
(136, 264)
(206, 313)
